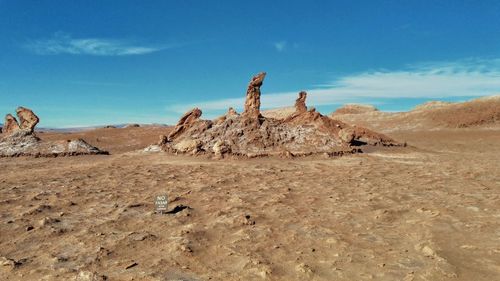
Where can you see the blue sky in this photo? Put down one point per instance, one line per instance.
(79, 63)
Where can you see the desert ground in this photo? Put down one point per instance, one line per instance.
(429, 211)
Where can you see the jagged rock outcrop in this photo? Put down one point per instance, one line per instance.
(10, 125)
(187, 120)
(231, 112)
(304, 132)
(27, 119)
(348, 134)
(20, 140)
(252, 102)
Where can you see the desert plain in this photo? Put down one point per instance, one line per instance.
(427, 211)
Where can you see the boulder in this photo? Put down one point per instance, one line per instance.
(188, 145)
(347, 135)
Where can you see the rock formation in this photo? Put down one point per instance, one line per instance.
(163, 140)
(187, 120)
(252, 102)
(232, 112)
(27, 119)
(10, 125)
(20, 140)
(304, 132)
(300, 103)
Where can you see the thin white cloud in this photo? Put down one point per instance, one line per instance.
(62, 43)
(280, 46)
(429, 80)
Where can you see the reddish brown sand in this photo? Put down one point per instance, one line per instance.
(428, 212)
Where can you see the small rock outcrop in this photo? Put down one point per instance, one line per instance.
(21, 140)
(231, 112)
(187, 120)
(10, 125)
(304, 132)
(27, 119)
(252, 102)
(163, 140)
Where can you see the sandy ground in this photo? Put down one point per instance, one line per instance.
(424, 213)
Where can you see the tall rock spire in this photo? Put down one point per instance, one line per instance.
(252, 102)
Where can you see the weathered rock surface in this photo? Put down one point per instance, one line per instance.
(300, 103)
(27, 119)
(10, 125)
(252, 102)
(250, 134)
(20, 140)
(230, 112)
(25, 143)
(163, 140)
(187, 120)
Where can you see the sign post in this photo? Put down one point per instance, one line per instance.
(161, 203)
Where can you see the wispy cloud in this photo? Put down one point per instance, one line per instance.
(430, 80)
(280, 46)
(61, 43)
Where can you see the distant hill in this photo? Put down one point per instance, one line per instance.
(355, 109)
(278, 113)
(481, 112)
(89, 128)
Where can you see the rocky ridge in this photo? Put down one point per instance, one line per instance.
(250, 134)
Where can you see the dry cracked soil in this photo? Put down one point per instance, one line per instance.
(427, 212)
